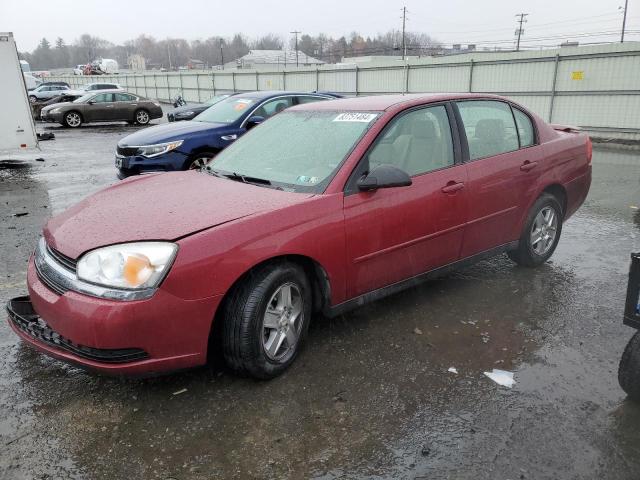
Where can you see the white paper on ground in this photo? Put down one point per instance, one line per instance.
(452, 370)
(501, 377)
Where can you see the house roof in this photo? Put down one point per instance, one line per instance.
(278, 57)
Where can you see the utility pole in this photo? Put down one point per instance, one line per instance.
(221, 55)
(296, 32)
(519, 30)
(169, 55)
(404, 23)
(624, 20)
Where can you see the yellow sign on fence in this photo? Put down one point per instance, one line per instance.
(577, 75)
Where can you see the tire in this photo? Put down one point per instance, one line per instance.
(33, 99)
(629, 368)
(199, 160)
(261, 333)
(72, 119)
(531, 253)
(142, 117)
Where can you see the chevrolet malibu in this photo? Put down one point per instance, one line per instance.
(320, 209)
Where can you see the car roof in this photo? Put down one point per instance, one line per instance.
(261, 95)
(385, 102)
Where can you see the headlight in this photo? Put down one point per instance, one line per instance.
(53, 110)
(129, 265)
(184, 114)
(159, 149)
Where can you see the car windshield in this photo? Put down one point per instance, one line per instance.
(297, 151)
(215, 99)
(227, 111)
(84, 98)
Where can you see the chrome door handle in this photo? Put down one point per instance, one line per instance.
(527, 165)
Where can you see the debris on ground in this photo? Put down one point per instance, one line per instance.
(453, 370)
(417, 331)
(39, 159)
(501, 377)
(20, 214)
(180, 391)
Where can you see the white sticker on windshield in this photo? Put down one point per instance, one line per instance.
(242, 100)
(355, 117)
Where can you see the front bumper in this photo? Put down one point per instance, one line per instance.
(48, 117)
(161, 334)
(137, 164)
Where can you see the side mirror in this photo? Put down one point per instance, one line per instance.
(253, 121)
(91, 102)
(384, 176)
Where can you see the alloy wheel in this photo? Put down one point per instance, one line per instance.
(544, 230)
(282, 322)
(142, 117)
(200, 162)
(73, 119)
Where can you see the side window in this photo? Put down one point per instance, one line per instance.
(302, 99)
(417, 142)
(489, 127)
(103, 98)
(525, 128)
(124, 97)
(274, 106)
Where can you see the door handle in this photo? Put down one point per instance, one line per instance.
(452, 187)
(527, 165)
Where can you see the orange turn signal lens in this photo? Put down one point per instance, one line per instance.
(137, 270)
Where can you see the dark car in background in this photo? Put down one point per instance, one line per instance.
(193, 144)
(64, 97)
(103, 107)
(189, 112)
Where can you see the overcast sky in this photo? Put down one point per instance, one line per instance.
(450, 21)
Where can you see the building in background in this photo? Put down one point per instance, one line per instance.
(272, 59)
(137, 62)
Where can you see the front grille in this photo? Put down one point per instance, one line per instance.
(126, 151)
(59, 289)
(67, 262)
(24, 318)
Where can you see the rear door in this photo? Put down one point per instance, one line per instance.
(502, 171)
(395, 233)
(125, 106)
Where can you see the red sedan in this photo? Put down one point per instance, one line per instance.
(322, 208)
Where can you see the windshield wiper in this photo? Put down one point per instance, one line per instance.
(247, 179)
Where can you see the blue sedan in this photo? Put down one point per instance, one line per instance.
(194, 144)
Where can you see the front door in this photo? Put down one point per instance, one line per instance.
(102, 108)
(396, 233)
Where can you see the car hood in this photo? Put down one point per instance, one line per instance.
(55, 105)
(165, 206)
(167, 132)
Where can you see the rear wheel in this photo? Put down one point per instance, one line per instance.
(72, 119)
(629, 368)
(142, 117)
(266, 319)
(541, 232)
(32, 98)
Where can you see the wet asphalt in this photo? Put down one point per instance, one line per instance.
(371, 395)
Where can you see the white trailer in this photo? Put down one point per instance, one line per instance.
(17, 129)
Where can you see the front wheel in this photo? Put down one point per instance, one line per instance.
(142, 117)
(200, 161)
(32, 98)
(629, 368)
(266, 320)
(541, 232)
(72, 119)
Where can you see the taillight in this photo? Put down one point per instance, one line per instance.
(589, 150)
